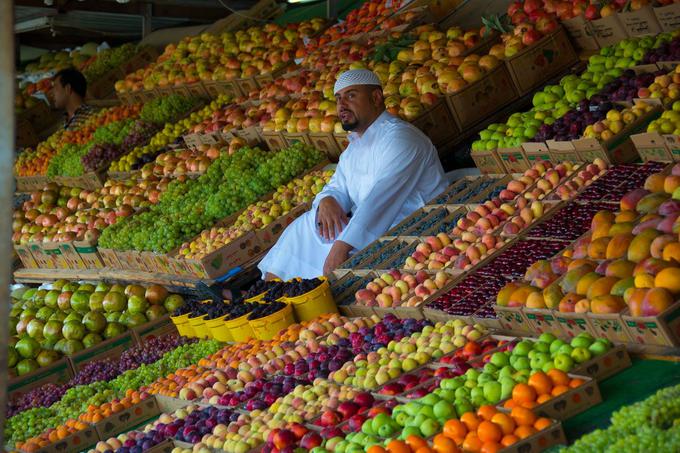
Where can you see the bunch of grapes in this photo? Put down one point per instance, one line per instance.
(230, 184)
(107, 60)
(43, 396)
(139, 134)
(68, 161)
(168, 109)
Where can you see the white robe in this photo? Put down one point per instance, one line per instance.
(382, 177)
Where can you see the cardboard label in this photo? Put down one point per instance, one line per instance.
(488, 162)
(573, 324)
(128, 418)
(610, 327)
(608, 30)
(651, 146)
(513, 160)
(25, 256)
(673, 145)
(544, 322)
(668, 17)
(581, 33)
(512, 318)
(640, 22)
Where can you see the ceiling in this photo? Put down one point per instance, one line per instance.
(68, 23)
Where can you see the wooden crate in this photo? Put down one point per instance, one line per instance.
(488, 162)
(438, 123)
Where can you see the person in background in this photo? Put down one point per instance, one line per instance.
(389, 169)
(68, 90)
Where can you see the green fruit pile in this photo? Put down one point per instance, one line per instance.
(109, 59)
(554, 101)
(168, 109)
(48, 323)
(230, 184)
(649, 425)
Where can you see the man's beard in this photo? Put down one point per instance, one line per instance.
(349, 127)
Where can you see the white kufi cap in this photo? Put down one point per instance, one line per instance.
(356, 77)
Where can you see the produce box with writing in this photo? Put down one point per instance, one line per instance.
(59, 372)
(608, 30)
(651, 146)
(641, 22)
(660, 330)
(128, 418)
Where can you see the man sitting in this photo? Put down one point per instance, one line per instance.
(389, 169)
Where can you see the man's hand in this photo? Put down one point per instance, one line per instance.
(338, 255)
(330, 218)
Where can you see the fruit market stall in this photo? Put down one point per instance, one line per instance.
(531, 307)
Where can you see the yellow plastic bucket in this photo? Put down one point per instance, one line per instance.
(257, 298)
(198, 326)
(181, 322)
(240, 329)
(311, 305)
(266, 328)
(219, 329)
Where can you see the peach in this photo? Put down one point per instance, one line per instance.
(669, 279)
(444, 239)
(384, 300)
(618, 246)
(598, 248)
(568, 303)
(600, 287)
(516, 186)
(607, 303)
(434, 243)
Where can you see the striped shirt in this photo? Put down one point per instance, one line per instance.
(81, 115)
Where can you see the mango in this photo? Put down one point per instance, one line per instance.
(621, 286)
(601, 287)
(571, 279)
(654, 302)
(535, 300)
(619, 228)
(597, 249)
(520, 295)
(607, 304)
(552, 295)
(601, 217)
(671, 252)
(659, 243)
(618, 246)
(655, 182)
(625, 217)
(582, 306)
(630, 200)
(650, 202)
(639, 248)
(580, 262)
(504, 294)
(671, 183)
(585, 282)
(669, 279)
(620, 268)
(651, 266)
(644, 281)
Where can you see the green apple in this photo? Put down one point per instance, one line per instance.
(386, 430)
(542, 347)
(472, 374)
(506, 371)
(367, 427)
(600, 346)
(556, 345)
(462, 392)
(490, 368)
(582, 341)
(500, 359)
(410, 430)
(450, 384)
(522, 348)
(477, 393)
(507, 384)
(565, 349)
(412, 408)
(430, 399)
(463, 405)
(447, 395)
(522, 363)
(492, 391)
(409, 365)
(485, 377)
(401, 418)
(581, 355)
(539, 360)
(547, 366)
(563, 362)
(547, 338)
(443, 410)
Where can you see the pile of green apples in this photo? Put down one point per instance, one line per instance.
(554, 101)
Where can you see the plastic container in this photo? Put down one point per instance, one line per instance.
(182, 324)
(219, 329)
(266, 328)
(198, 326)
(240, 329)
(314, 303)
(257, 298)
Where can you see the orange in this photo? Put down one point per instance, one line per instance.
(576, 382)
(558, 377)
(443, 444)
(472, 443)
(529, 405)
(424, 450)
(509, 404)
(455, 429)
(415, 442)
(523, 416)
(559, 389)
(523, 393)
(491, 447)
(543, 398)
(397, 446)
(525, 431)
(489, 432)
(509, 439)
(376, 449)
(486, 412)
(542, 423)
(471, 421)
(541, 382)
(506, 423)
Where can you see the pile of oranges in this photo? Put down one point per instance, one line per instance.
(52, 436)
(95, 414)
(541, 387)
(171, 384)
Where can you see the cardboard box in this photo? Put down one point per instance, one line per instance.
(673, 146)
(268, 235)
(169, 404)
(44, 260)
(164, 447)
(89, 255)
(479, 100)
(153, 329)
(543, 321)
(220, 261)
(572, 402)
(513, 159)
(274, 140)
(536, 152)
(71, 256)
(610, 326)
(104, 85)
(608, 30)
(541, 441)
(561, 151)
(573, 324)
(668, 17)
(81, 440)
(230, 88)
(342, 139)
(247, 85)
(437, 123)
(109, 258)
(641, 22)
(581, 33)
(124, 420)
(532, 66)
(294, 137)
(512, 318)
(605, 365)
(651, 146)
(488, 162)
(60, 372)
(196, 90)
(325, 142)
(250, 134)
(661, 330)
(113, 347)
(30, 183)
(24, 254)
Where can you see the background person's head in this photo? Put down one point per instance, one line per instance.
(359, 98)
(69, 86)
